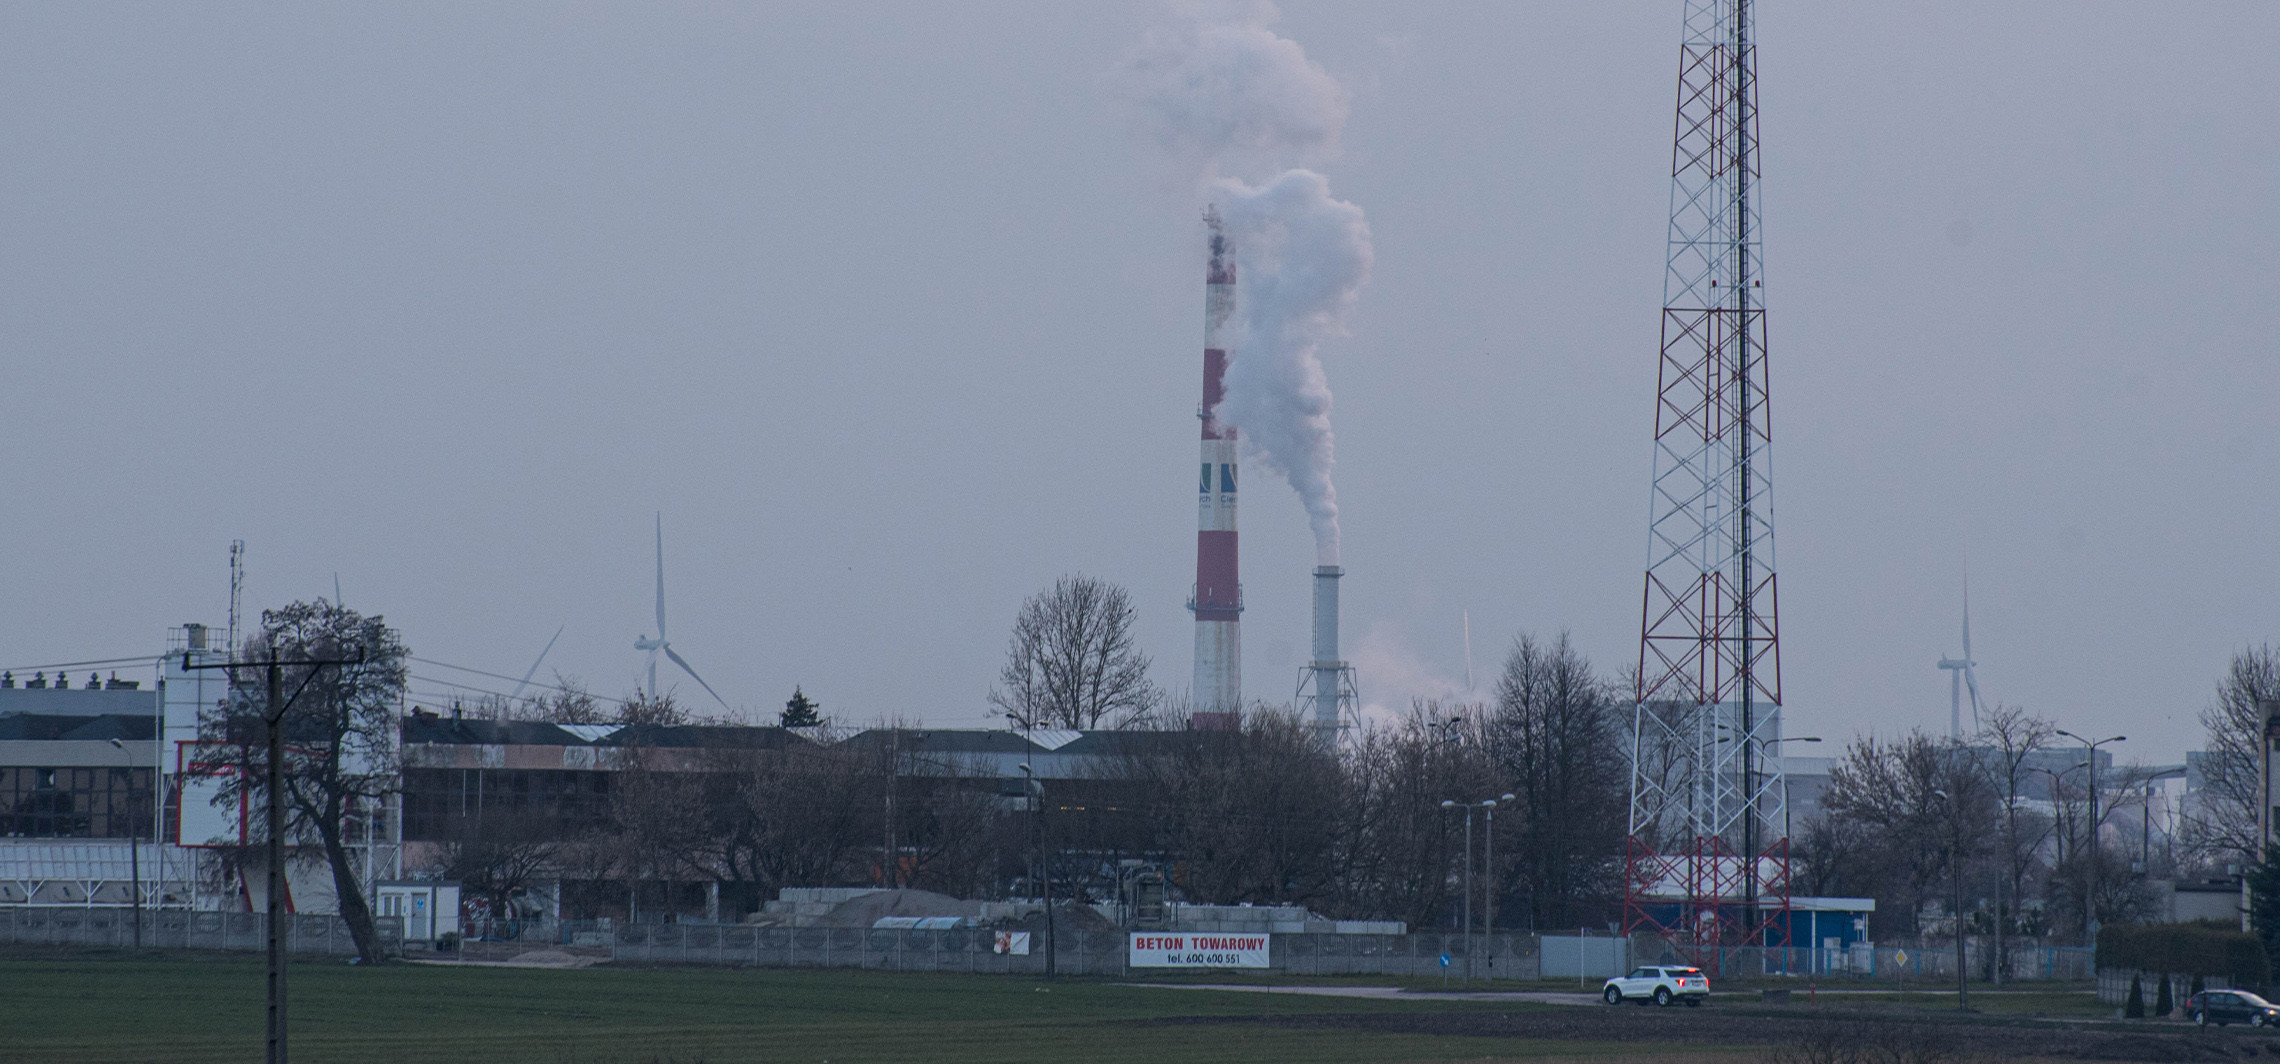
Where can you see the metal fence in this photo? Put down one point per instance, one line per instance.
(1416, 956)
(542, 932)
(1085, 952)
(1900, 963)
(176, 929)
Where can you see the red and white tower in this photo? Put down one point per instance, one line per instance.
(1709, 849)
(1218, 597)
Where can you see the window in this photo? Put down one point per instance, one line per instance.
(75, 803)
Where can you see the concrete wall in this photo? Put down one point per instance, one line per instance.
(176, 929)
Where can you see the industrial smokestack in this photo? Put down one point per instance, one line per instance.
(1329, 672)
(1218, 598)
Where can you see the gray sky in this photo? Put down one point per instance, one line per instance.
(889, 312)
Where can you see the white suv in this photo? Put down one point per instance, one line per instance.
(1660, 985)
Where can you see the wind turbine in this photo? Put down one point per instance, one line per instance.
(1960, 674)
(534, 665)
(659, 645)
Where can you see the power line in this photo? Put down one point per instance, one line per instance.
(104, 661)
(510, 679)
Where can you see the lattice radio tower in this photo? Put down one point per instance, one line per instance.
(1708, 860)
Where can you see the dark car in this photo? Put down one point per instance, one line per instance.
(2230, 1006)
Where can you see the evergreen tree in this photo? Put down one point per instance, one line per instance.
(2135, 1008)
(2163, 1005)
(800, 712)
(2264, 903)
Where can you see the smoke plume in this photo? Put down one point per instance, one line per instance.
(1223, 95)
(1302, 257)
(1233, 103)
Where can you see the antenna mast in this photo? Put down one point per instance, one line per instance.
(1707, 790)
(237, 586)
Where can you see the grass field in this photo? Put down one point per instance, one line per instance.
(210, 1009)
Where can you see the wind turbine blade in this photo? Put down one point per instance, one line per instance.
(534, 665)
(660, 575)
(1468, 651)
(336, 589)
(1971, 680)
(1967, 615)
(700, 680)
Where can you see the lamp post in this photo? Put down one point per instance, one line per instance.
(1955, 859)
(2090, 825)
(1035, 788)
(1785, 798)
(2264, 825)
(1468, 807)
(1488, 877)
(134, 846)
(1754, 914)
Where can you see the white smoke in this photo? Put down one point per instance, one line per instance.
(1222, 94)
(1228, 100)
(1301, 258)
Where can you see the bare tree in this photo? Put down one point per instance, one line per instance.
(2010, 739)
(1252, 815)
(1073, 660)
(1398, 846)
(340, 736)
(2224, 829)
(1557, 740)
(1920, 804)
(499, 855)
(567, 703)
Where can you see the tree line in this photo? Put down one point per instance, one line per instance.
(1262, 814)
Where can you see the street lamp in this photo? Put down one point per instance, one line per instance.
(1955, 858)
(134, 844)
(1488, 805)
(2090, 825)
(1035, 788)
(1785, 832)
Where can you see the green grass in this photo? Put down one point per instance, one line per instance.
(2056, 1004)
(188, 1010)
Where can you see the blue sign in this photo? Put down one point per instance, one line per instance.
(1444, 960)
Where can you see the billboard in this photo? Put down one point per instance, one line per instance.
(1156, 949)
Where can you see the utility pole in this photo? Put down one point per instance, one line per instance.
(273, 715)
(894, 772)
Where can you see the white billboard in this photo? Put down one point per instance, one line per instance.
(1155, 949)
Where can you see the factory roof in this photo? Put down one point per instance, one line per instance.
(440, 730)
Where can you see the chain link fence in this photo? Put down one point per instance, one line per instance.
(1078, 953)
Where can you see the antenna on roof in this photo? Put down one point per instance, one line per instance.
(237, 586)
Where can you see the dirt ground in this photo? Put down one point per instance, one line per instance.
(1817, 1036)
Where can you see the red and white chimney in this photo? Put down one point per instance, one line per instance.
(1218, 598)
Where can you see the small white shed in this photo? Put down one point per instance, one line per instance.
(430, 910)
